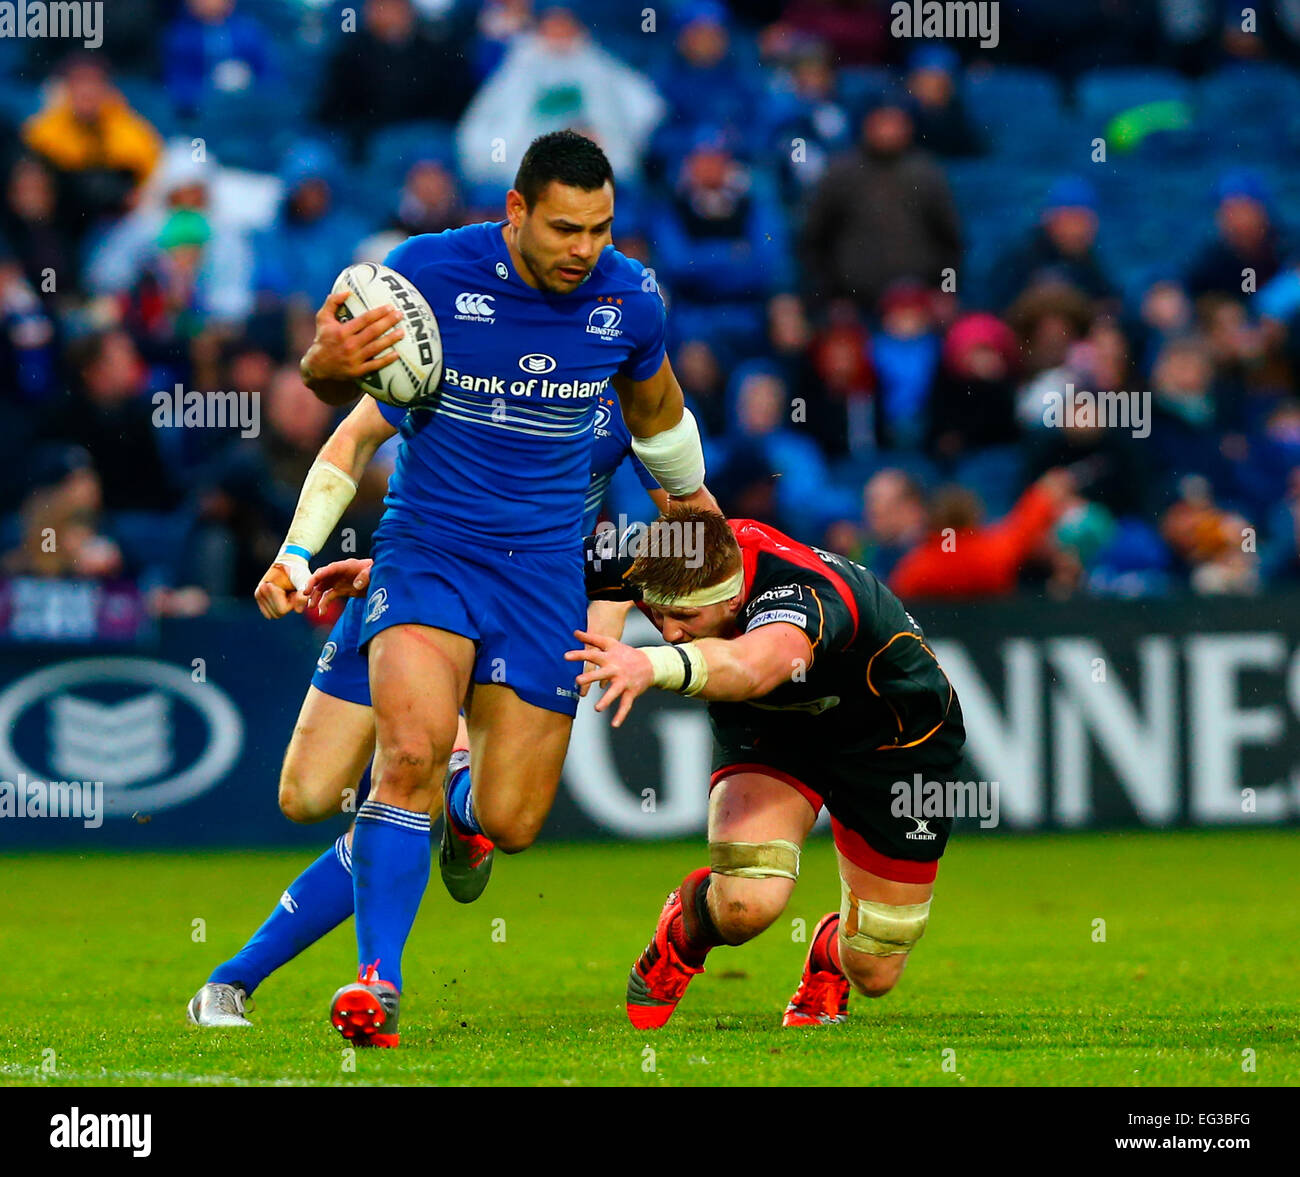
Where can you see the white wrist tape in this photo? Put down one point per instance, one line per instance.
(326, 493)
(678, 668)
(674, 457)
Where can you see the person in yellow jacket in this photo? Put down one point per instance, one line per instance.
(102, 147)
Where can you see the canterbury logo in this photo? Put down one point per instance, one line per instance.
(468, 303)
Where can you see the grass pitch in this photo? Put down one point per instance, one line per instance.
(1013, 983)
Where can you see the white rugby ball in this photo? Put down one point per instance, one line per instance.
(413, 378)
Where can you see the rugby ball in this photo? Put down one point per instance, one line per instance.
(412, 379)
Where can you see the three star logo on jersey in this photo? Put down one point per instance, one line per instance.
(475, 307)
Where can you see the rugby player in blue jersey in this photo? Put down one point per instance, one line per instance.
(326, 764)
(474, 590)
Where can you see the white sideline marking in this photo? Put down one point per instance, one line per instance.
(18, 1071)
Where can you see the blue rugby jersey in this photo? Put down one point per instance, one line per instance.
(504, 459)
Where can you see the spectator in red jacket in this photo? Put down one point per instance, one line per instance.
(962, 558)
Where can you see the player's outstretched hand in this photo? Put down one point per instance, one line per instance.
(275, 594)
(343, 578)
(352, 349)
(625, 671)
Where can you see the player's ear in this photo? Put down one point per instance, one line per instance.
(515, 207)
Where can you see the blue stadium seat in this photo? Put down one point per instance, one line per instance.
(1103, 93)
(394, 149)
(150, 100)
(18, 101)
(1008, 94)
(1248, 94)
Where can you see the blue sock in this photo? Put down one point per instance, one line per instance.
(316, 902)
(390, 870)
(460, 803)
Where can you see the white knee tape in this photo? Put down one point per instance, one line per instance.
(880, 929)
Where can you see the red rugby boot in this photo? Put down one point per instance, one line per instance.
(365, 1012)
(660, 975)
(822, 998)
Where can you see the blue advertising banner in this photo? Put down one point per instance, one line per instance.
(1097, 714)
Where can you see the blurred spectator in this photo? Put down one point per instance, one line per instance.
(719, 242)
(223, 280)
(59, 520)
(843, 415)
(964, 558)
(698, 371)
(762, 443)
(100, 148)
(29, 223)
(28, 355)
(905, 357)
(551, 79)
(707, 79)
(807, 120)
(392, 70)
(1280, 552)
(894, 511)
(1166, 313)
(1061, 247)
(856, 30)
(499, 23)
(973, 404)
(1245, 240)
(110, 414)
(938, 112)
(430, 200)
(298, 257)
(1185, 438)
(210, 47)
(1209, 541)
(881, 213)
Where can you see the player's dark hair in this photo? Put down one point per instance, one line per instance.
(669, 567)
(563, 157)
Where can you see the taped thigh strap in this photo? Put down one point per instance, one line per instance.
(880, 929)
(777, 859)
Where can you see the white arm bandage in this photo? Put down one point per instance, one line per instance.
(674, 457)
(326, 493)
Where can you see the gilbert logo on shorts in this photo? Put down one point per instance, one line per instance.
(475, 307)
(922, 832)
(377, 606)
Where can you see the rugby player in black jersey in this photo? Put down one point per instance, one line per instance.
(821, 691)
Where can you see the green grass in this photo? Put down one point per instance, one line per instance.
(1199, 964)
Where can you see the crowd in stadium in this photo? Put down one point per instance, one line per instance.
(882, 259)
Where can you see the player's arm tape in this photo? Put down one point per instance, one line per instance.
(678, 668)
(326, 493)
(777, 859)
(674, 457)
(880, 929)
